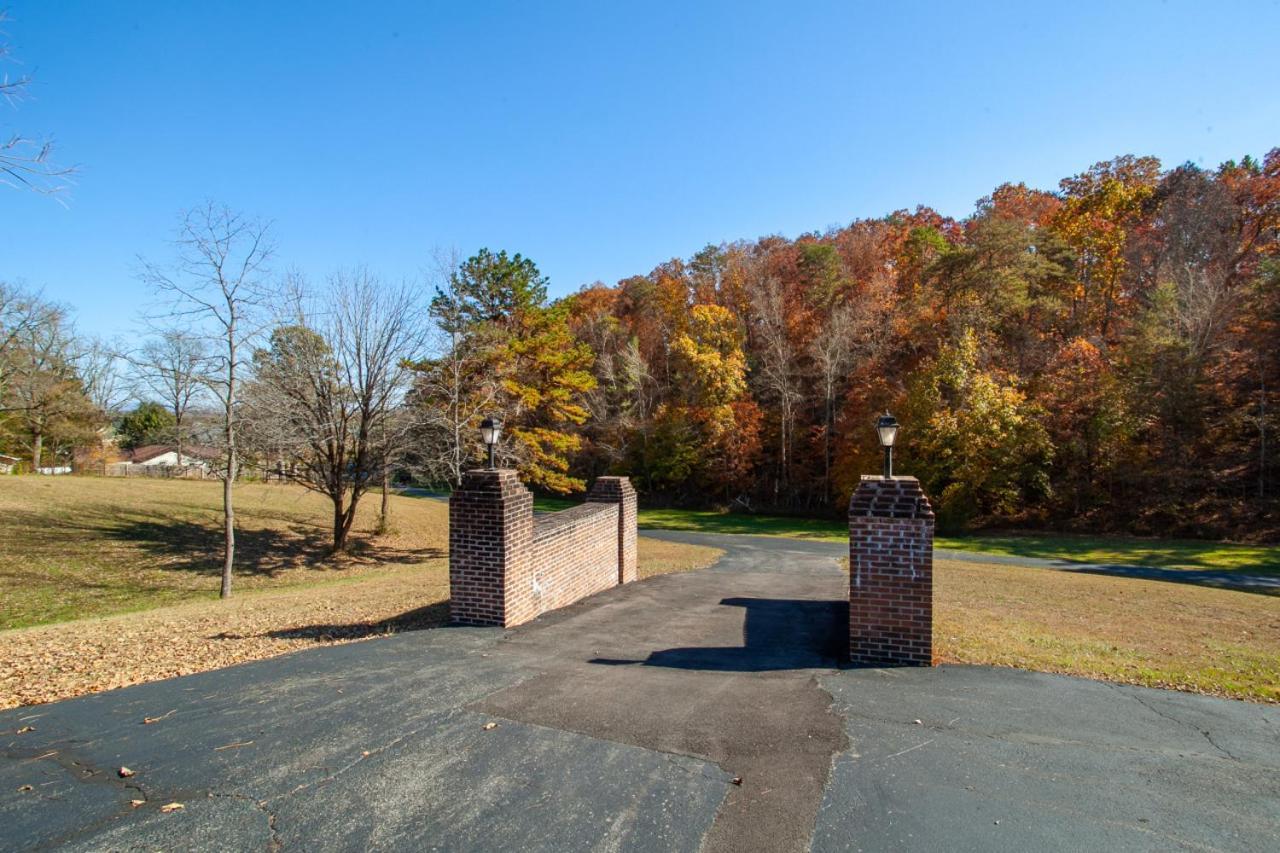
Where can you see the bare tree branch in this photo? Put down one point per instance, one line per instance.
(216, 291)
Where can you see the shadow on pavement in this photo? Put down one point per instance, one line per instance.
(778, 634)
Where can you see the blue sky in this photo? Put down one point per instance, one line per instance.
(597, 138)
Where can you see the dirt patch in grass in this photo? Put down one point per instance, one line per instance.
(51, 662)
(1153, 633)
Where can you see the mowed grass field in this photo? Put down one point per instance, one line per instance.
(1153, 633)
(74, 547)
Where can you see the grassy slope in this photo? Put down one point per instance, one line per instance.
(1153, 633)
(73, 547)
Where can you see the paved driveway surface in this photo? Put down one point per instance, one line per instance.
(693, 711)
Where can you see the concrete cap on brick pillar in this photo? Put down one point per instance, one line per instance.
(897, 497)
(491, 480)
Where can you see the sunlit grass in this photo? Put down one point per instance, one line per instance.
(72, 547)
(1153, 633)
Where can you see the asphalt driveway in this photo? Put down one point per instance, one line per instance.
(694, 711)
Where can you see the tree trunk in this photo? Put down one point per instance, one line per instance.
(339, 526)
(384, 519)
(229, 531)
(342, 520)
(37, 450)
(177, 436)
(228, 482)
(1262, 437)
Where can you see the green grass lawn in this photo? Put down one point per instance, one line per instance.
(1161, 553)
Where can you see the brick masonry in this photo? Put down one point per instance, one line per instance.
(507, 566)
(890, 573)
(618, 490)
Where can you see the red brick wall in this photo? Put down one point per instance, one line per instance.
(490, 538)
(575, 554)
(890, 573)
(507, 566)
(618, 490)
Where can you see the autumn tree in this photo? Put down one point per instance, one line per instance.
(976, 441)
(498, 303)
(1086, 419)
(1101, 207)
(44, 392)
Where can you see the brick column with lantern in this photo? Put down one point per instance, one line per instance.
(890, 566)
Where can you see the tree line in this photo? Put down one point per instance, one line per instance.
(1100, 357)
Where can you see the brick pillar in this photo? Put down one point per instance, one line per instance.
(890, 573)
(490, 546)
(619, 490)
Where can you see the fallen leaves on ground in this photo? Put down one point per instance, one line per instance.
(52, 662)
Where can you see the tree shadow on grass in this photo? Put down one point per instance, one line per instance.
(187, 546)
(432, 616)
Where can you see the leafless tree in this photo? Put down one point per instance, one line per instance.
(452, 391)
(100, 366)
(327, 386)
(170, 367)
(847, 334)
(24, 162)
(216, 291)
(778, 372)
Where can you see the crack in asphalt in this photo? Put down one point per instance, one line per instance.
(1204, 733)
(330, 776)
(273, 837)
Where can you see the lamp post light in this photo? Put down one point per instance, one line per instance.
(491, 431)
(887, 430)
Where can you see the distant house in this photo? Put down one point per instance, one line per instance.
(8, 463)
(167, 455)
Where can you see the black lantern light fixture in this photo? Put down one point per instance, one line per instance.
(887, 430)
(491, 431)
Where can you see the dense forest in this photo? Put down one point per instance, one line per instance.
(1101, 357)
